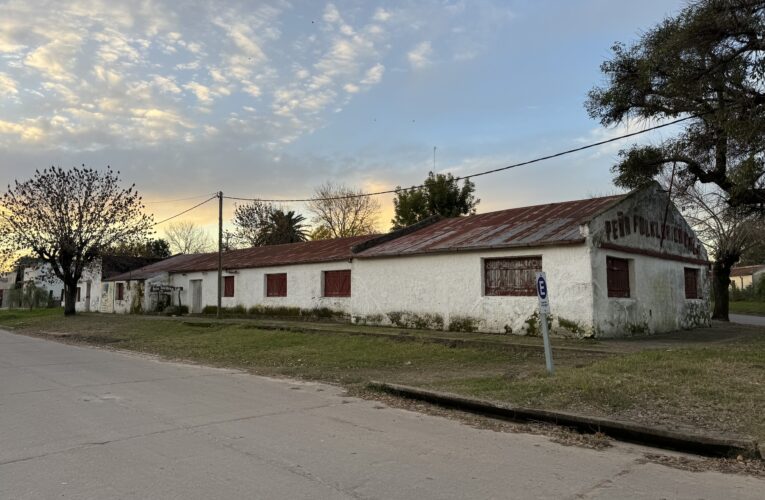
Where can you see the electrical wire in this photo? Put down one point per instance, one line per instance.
(465, 177)
(180, 199)
(185, 211)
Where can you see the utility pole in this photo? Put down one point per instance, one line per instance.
(220, 252)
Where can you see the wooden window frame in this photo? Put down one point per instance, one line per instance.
(79, 294)
(229, 286)
(342, 291)
(526, 276)
(279, 281)
(119, 292)
(693, 291)
(618, 273)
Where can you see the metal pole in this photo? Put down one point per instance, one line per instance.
(546, 337)
(220, 252)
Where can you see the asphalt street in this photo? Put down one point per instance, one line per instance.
(86, 423)
(747, 319)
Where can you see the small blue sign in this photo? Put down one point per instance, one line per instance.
(541, 287)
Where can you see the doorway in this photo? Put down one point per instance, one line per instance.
(196, 296)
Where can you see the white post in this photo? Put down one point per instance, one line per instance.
(544, 310)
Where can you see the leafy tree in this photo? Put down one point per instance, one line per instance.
(185, 237)
(339, 212)
(440, 195)
(259, 224)
(707, 63)
(152, 248)
(68, 219)
(284, 227)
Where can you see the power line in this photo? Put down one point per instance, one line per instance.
(185, 211)
(179, 199)
(500, 169)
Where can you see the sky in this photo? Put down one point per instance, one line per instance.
(271, 99)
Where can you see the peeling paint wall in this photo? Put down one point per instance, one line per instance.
(447, 289)
(304, 287)
(657, 300)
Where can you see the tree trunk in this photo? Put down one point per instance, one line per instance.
(721, 283)
(70, 298)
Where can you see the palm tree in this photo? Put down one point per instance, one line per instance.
(283, 227)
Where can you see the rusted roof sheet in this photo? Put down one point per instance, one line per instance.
(154, 269)
(539, 225)
(276, 255)
(746, 270)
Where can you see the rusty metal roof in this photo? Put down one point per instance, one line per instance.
(154, 269)
(539, 225)
(275, 255)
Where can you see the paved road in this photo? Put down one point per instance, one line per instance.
(83, 423)
(747, 319)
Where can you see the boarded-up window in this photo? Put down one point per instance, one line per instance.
(228, 286)
(337, 283)
(120, 291)
(515, 276)
(276, 285)
(691, 283)
(618, 277)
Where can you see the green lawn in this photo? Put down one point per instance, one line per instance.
(719, 387)
(748, 308)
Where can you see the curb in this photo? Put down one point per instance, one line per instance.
(700, 444)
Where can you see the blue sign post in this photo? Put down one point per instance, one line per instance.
(544, 310)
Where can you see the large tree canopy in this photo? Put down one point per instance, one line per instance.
(708, 62)
(69, 218)
(440, 195)
(339, 211)
(259, 224)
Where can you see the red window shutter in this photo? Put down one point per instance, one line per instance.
(691, 283)
(618, 277)
(337, 283)
(511, 276)
(228, 286)
(276, 285)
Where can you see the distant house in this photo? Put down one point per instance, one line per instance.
(745, 276)
(7, 283)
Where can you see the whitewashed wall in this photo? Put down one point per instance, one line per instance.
(450, 286)
(92, 275)
(304, 282)
(632, 230)
(43, 277)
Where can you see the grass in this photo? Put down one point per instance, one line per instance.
(718, 387)
(748, 307)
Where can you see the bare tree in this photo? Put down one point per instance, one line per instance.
(68, 219)
(186, 237)
(339, 211)
(727, 231)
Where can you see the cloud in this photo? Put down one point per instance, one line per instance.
(8, 86)
(419, 56)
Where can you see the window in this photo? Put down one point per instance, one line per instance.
(337, 283)
(120, 291)
(228, 286)
(515, 276)
(618, 277)
(78, 294)
(691, 283)
(276, 285)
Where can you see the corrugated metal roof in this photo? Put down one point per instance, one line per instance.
(276, 255)
(154, 269)
(539, 225)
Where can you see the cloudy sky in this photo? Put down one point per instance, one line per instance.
(270, 99)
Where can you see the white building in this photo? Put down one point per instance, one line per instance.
(42, 276)
(619, 265)
(89, 287)
(742, 277)
(7, 283)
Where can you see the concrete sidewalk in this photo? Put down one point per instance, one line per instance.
(80, 422)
